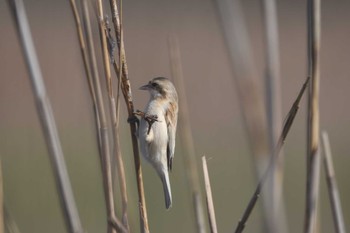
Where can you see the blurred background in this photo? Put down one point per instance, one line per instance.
(216, 120)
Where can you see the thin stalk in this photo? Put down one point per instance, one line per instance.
(237, 40)
(276, 219)
(83, 50)
(209, 198)
(84, 54)
(276, 152)
(332, 186)
(108, 164)
(113, 113)
(47, 120)
(120, 162)
(126, 89)
(313, 154)
(120, 167)
(186, 136)
(249, 92)
(105, 148)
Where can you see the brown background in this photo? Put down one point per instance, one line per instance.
(214, 113)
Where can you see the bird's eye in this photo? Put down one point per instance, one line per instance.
(154, 84)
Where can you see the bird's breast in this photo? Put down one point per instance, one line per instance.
(154, 139)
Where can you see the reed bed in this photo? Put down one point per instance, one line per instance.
(263, 119)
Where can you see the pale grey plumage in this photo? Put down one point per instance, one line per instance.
(158, 145)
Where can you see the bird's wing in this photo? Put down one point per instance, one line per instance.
(171, 121)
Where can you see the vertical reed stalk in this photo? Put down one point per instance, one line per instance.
(126, 89)
(186, 135)
(238, 44)
(120, 166)
(313, 155)
(46, 118)
(105, 157)
(83, 50)
(113, 112)
(85, 57)
(120, 162)
(249, 94)
(274, 195)
(332, 186)
(209, 197)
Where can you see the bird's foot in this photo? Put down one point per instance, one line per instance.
(134, 120)
(149, 118)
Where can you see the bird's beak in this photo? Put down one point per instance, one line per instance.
(146, 87)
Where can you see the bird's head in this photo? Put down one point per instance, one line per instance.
(162, 88)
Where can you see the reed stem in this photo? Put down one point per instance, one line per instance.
(209, 197)
(186, 136)
(313, 153)
(126, 90)
(332, 186)
(46, 117)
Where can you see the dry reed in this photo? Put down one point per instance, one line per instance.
(120, 163)
(286, 127)
(250, 95)
(107, 57)
(332, 186)
(313, 153)
(83, 50)
(105, 156)
(85, 56)
(209, 197)
(126, 90)
(46, 117)
(186, 135)
(119, 158)
(276, 220)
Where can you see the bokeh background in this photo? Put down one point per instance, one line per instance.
(216, 122)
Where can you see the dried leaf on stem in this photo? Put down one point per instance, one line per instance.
(286, 127)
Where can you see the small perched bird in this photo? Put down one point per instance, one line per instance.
(157, 130)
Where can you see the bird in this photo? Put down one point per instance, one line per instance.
(157, 130)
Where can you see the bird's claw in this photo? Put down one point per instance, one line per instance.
(149, 118)
(133, 119)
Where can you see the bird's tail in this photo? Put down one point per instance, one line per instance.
(167, 189)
